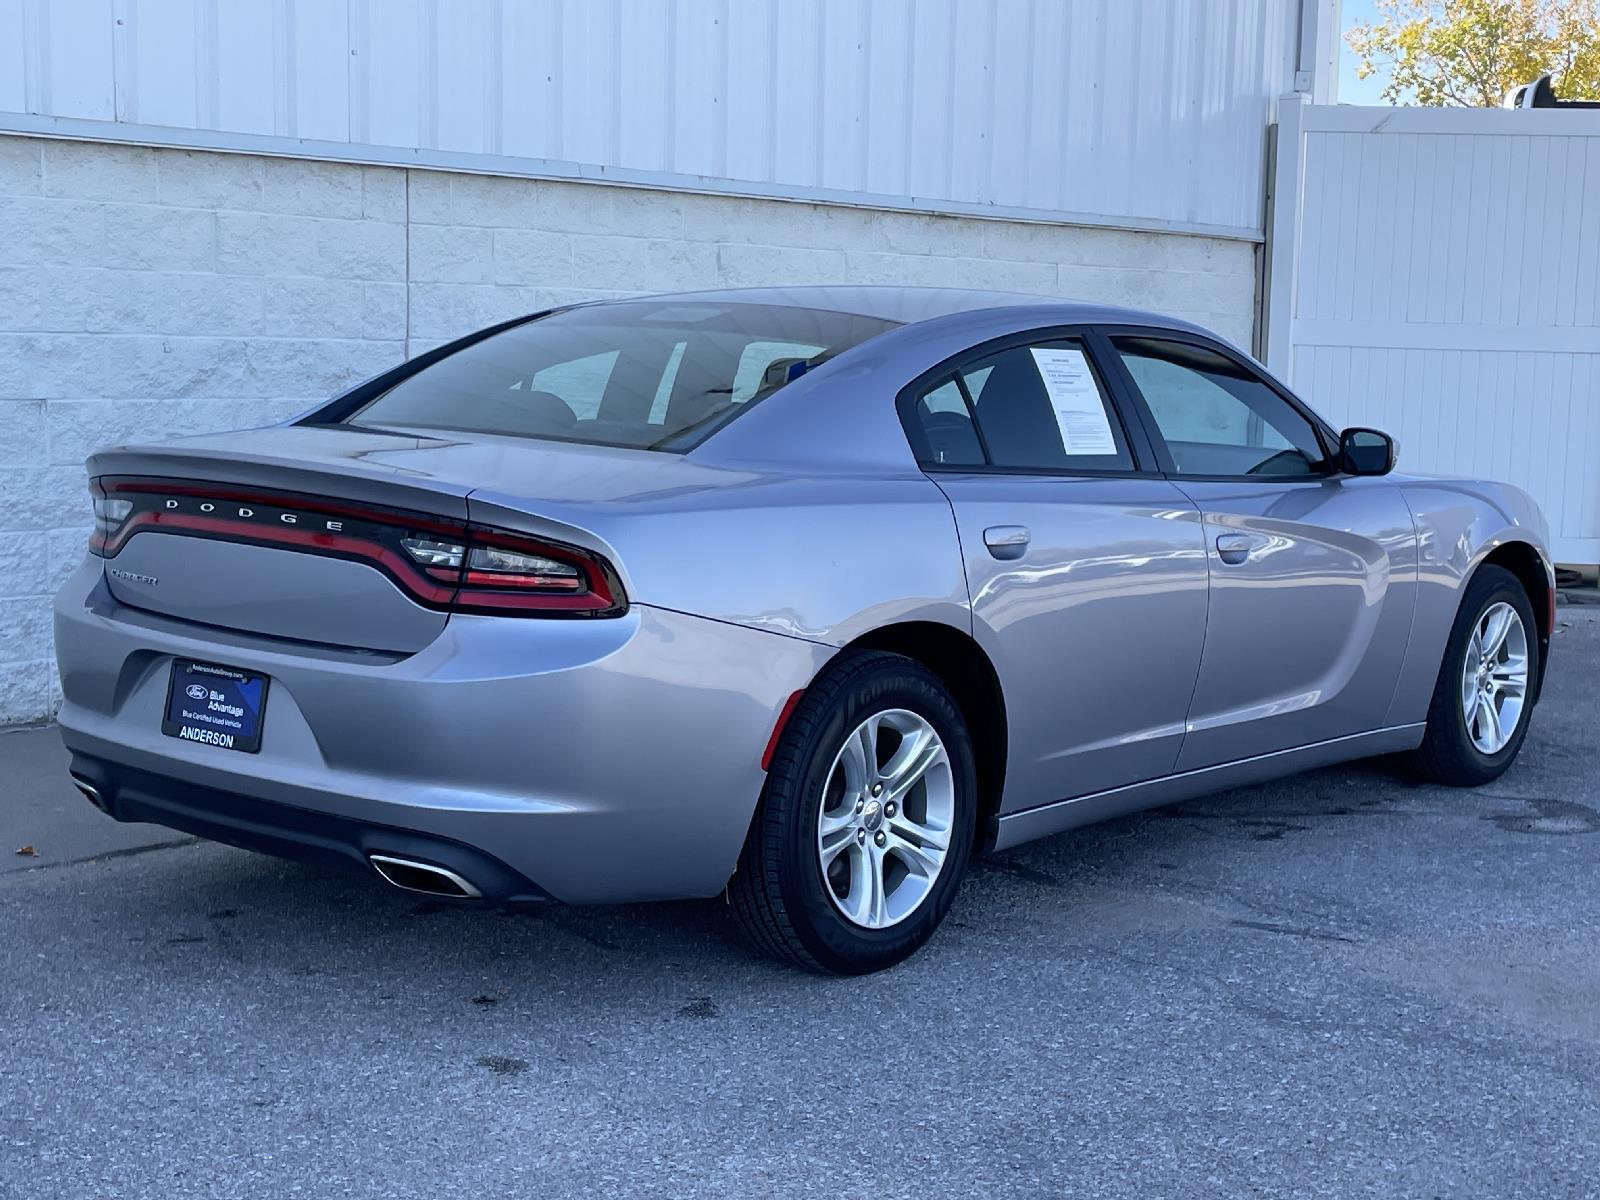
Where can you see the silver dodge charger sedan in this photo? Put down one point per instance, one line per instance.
(803, 595)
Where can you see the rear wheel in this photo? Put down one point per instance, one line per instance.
(1484, 696)
(866, 824)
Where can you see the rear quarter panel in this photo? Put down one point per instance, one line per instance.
(825, 557)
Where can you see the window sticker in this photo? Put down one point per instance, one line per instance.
(1075, 398)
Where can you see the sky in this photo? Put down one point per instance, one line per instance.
(1351, 89)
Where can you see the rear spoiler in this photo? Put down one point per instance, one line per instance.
(1541, 93)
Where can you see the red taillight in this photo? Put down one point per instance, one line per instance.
(438, 562)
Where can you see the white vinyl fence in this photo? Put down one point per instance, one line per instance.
(1436, 273)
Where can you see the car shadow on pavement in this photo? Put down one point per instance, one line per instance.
(260, 913)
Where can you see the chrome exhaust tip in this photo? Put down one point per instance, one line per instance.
(90, 792)
(412, 876)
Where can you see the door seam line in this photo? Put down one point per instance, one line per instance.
(1205, 635)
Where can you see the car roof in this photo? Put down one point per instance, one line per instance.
(908, 305)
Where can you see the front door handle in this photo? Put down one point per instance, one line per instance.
(1234, 548)
(1006, 541)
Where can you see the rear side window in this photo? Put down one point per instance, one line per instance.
(1034, 407)
(648, 373)
(943, 424)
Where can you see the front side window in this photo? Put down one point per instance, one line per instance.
(648, 373)
(1216, 416)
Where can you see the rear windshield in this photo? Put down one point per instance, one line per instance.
(659, 375)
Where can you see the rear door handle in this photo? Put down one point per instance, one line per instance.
(1234, 548)
(1007, 541)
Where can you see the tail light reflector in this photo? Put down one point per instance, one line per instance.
(778, 727)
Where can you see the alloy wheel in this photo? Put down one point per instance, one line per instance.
(1494, 678)
(885, 824)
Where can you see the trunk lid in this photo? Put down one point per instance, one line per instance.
(304, 488)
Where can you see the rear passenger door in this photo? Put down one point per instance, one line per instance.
(1313, 574)
(1085, 567)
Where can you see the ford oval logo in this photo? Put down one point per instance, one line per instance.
(195, 692)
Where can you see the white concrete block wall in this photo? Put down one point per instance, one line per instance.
(485, 248)
(151, 293)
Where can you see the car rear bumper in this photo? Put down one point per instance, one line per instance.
(586, 760)
(305, 834)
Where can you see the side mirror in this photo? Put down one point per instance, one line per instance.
(1366, 452)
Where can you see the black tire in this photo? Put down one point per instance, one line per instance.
(1447, 754)
(778, 891)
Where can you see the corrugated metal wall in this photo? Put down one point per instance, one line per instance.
(1138, 112)
(1445, 286)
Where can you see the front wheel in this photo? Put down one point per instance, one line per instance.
(866, 824)
(1484, 696)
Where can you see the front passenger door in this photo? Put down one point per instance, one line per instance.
(1313, 574)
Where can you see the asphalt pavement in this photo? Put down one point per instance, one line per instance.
(1344, 984)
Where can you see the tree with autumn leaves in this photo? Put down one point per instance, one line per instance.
(1472, 52)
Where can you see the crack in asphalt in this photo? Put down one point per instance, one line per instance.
(126, 852)
(1300, 931)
